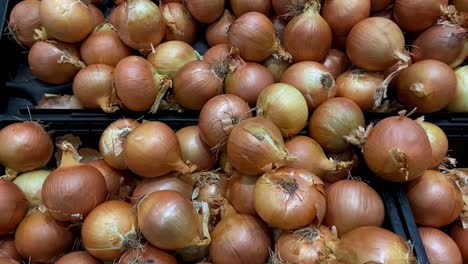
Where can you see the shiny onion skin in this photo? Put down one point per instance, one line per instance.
(103, 46)
(41, 238)
(194, 149)
(460, 236)
(180, 25)
(417, 15)
(77, 257)
(435, 199)
(439, 143)
(439, 247)
(276, 66)
(217, 53)
(313, 80)
(397, 149)
(336, 62)
(290, 198)
(240, 7)
(365, 208)
(147, 254)
(13, 205)
(206, 11)
(378, 5)
(152, 150)
(256, 145)
(428, 85)
(8, 249)
(332, 121)
(460, 103)
(216, 32)
(24, 19)
(112, 176)
(171, 182)
(240, 193)
(342, 15)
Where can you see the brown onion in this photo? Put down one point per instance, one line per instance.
(276, 66)
(171, 182)
(96, 14)
(439, 247)
(31, 185)
(77, 257)
(217, 53)
(439, 143)
(342, 15)
(194, 149)
(54, 62)
(460, 236)
(8, 248)
(313, 80)
(282, 7)
(24, 19)
(435, 199)
(428, 85)
(216, 32)
(240, 7)
(39, 237)
(377, 5)
(147, 254)
(210, 187)
(417, 15)
(152, 150)
(336, 62)
(459, 102)
(112, 176)
(206, 11)
(13, 205)
(180, 24)
(256, 145)
(349, 159)
(240, 193)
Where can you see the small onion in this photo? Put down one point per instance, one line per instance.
(77, 257)
(112, 176)
(240, 193)
(206, 11)
(194, 149)
(147, 254)
(460, 236)
(8, 248)
(216, 32)
(417, 15)
(13, 205)
(217, 53)
(439, 247)
(31, 185)
(24, 19)
(180, 24)
(313, 80)
(240, 7)
(276, 66)
(459, 102)
(336, 62)
(439, 143)
(378, 5)
(342, 15)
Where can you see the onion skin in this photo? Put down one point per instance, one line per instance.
(77, 257)
(170, 182)
(347, 156)
(170, 56)
(460, 236)
(194, 149)
(112, 176)
(180, 24)
(459, 102)
(216, 32)
(24, 18)
(439, 143)
(276, 66)
(428, 85)
(434, 199)
(240, 193)
(31, 185)
(378, 5)
(206, 11)
(8, 249)
(216, 53)
(147, 254)
(336, 62)
(423, 14)
(342, 15)
(281, 6)
(13, 206)
(240, 7)
(440, 248)
(460, 5)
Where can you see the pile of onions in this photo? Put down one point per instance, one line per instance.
(112, 176)
(439, 143)
(180, 24)
(307, 29)
(255, 37)
(366, 208)
(194, 149)
(8, 248)
(332, 121)
(285, 106)
(138, 85)
(276, 66)
(104, 46)
(435, 199)
(217, 53)
(218, 117)
(415, 16)
(459, 102)
(13, 205)
(147, 254)
(313, 80)
(240, 193)
(397, 149)
(359, 86)
(44, 244)
(170, 56)
(77, 257)
(336, 62)
(240, 7)
(140, 24)
(439, 247)
(152, 149)
(248, 80)
(24, 18)
(206, 11)
(290, 198)
(31, 185)
(54, 62)
(26, 146)
(197, 82)
(342, 15)
(93, 87)
(256, 145)
(216, 32)
(109, 230)
(111, 143)
(460, 236)
(62, 191)
(428, 85)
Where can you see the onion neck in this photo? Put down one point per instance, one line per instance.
(41, 34)
(163, 83)
(171, 21)
(182, 167)
(281, 53)
(419, 90)
(381, 91)
(67, 57)
(70, 156)
(105, 103)
(400, 160)
(358, 137)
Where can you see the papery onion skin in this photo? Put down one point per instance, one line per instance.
(31, 185)
(206, 11)
(180, 24)
(423, 13)
(112, 176)
(170, 56)
(194, 149)
(24, 18)
(336, 62)
(276, 66)
(170, 182)
(378, 5)
(366, 208)
(216, 32)
(439, 143)
(148, 254)
(240, 193)
(460, 236)
(8, 249)
(459, 102)
(77, 257)
(240, 7)
(13, 206)
(434, 198)
(439, 247)
(342, 15)
(217, 53)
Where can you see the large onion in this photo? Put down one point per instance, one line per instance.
(216, 32)
(459, 102)
(78, 257)
(342, 15)
(240, 193)
(24, 19)
(13, 205)
(31, 185)
(180, 24)
(460, 236)
(336, 62)
(439, 143)
(206, 11)
(147, 254)
(417, 15)
(194, 149)
(440, 248)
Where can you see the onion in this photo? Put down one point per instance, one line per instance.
(417, 15)
(31, 185)
(282, 7)
(216, 32)
(434, 199)
(62, 191)
(342, 15)
(180, 24)
(24, 19)
(248, 80)
(336, 62)
(310, 156)
(54, 62)
(378, 5)
(439, 143)
(8, 249)
(217, 53)
(313, 80)
(93, 87)
(440, 248)
(96, 14)
(255, 37)
(6, 260)
(197, 82)
(397, 149)
(170, 56)
(140, 24)
(240, 7)
(276, 66)
(349, 159)
(279, 25)
(371, 244)
(78, 257)
(307, 29)
(112, 176)
(428, 85)
(104, 46)
(206, 11)
(44, 244)
(152, 150)
(240, 193)
(460, 236)
(285, 106)
(138, 85)
(109, 230)
(460, 5)
(366, 208)
(332, 121)
(53, 101)
(26, 146)
(13, 205)
(459, 104)
(194, 149)
(210, 187)
(359, 86)
(147, 254)
(256, 145)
